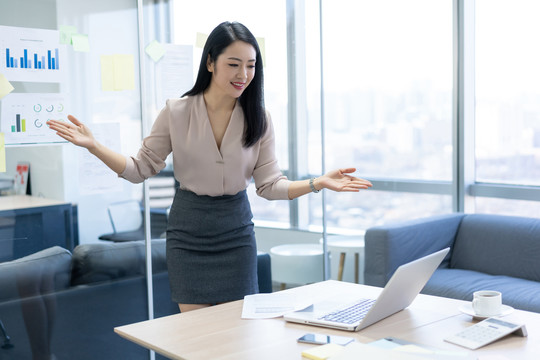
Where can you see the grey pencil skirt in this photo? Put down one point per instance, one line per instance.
(211, 249)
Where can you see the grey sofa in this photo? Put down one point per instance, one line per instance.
(67, 304)
(487, 252)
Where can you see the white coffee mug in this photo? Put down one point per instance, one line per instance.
(487, 303)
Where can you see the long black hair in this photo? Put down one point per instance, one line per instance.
(252, 99)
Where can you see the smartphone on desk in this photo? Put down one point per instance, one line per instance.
(320, 339)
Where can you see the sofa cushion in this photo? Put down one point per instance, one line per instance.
(460, 284)
(392, 245)
(498, 245)
(106, 261)
(43, 272)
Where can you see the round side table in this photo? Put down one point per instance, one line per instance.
(344, 244)
(297, 264)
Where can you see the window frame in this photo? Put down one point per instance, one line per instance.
(463, 187)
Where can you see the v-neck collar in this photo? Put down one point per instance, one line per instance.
(208, 125)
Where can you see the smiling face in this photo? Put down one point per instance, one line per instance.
(233, 70)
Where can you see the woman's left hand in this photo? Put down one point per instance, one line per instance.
(339, 180)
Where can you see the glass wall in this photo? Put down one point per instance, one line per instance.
(507, 116)
(391, 109)
(388, 105)
(64, 285)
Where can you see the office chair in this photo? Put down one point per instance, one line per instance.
(126, 220)
(125, 216)
(7, 340)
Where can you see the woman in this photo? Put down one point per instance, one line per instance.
(221, 136)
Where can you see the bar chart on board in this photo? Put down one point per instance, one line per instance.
(33, 61)
(31, 55)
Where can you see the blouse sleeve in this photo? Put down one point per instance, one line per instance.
(271, 184)
(155, 148)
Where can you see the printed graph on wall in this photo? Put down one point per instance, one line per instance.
(24, 117)
(33, 55)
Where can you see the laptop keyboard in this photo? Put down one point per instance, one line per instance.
(350, 314)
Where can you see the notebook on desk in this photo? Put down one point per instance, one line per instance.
(402, 288)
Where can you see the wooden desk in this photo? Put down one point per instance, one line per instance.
(219, 332)
(19, 202)
(29, 224)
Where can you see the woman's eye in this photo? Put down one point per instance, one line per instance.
(233, 65)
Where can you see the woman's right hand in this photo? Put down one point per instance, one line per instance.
(75, 132)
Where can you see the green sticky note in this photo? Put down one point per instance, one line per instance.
(66, 32)
(2, 153)
(80, 42)
(5, 86)
(155, 50)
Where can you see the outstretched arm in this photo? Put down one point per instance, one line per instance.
(336, 180)
(79, 134)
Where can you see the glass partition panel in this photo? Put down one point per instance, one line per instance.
(62, 288)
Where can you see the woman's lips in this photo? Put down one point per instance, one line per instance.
(238, 85)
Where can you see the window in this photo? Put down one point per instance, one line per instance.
(388, 105)
(507, 148)
(506, 117)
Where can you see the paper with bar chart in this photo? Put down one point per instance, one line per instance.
(33, 55)
(24, 117)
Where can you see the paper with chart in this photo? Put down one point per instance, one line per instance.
(33, 55)
(24, 118)
(265, 306)
(174, 73)
(94, 176)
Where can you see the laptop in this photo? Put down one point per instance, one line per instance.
(400, 291)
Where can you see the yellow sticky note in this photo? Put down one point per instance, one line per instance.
(66, 32)
(107, 72)
(322, 352)
(155, 50)
(124, 72)
(5, 86)
(2, 153)
(117, 72)
(201, 40)
(80, 42)
(262, 47)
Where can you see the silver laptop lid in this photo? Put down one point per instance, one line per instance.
(403, 287)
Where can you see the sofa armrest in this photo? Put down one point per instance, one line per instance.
(105, 261)
(43, 272)
(389, 246)
(264, 272)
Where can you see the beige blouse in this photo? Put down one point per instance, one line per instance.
(183, 128)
